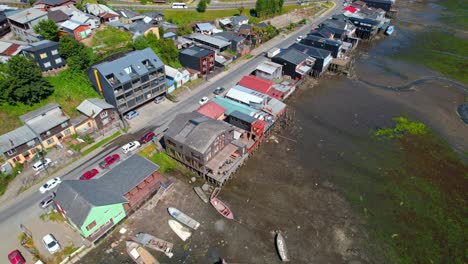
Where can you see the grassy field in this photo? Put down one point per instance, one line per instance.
(456, 13)
(110, 40)
(70, 90)
(441, 51)
(165, 162)
(410, 188)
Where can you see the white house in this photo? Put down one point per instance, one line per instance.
(105, 13)
(179, 77)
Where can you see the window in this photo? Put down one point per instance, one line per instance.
(47, 65)
(103, 114)
(48, 133)
(31, 143)
(91, 225)
(11, 152)
(67, 132)
(64, 124)
(58, 61)
(43, 55)
(54, 52)
(50, 141)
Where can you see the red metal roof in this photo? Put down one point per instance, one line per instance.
(255, 83)
(211, 110)
(350, 9)
(11, 50)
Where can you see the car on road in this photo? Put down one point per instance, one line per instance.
(131, 146)
(42, 164)
(219, 90)
(47, 201)
(50, 184)
(109, 160)
(89, 174)
(159, 99)
(299, 38)
(15, 257)
(203, 100)
(147, 137)
(132, 114)
(51, 243)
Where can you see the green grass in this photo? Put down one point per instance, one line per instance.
(100, 143)
(53, 216)
(111, 38)
(440, 51)
(455, 13)
(165, 162)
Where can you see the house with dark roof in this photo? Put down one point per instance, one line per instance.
(295, 63)
(209, 42)
(341, 29)
(237, 21)
(169, 27)
(57, 16)
(322, 32)
(322, 57)
(141, 28)
(210, 147)
(45, 54)
(23, 21)
(94, 207)
(198, 59)
(19, 145)
(4, 25)
(237, 42)
(156, 17)
(255, 128)
(212, 110)
(47, 4)
(130, 80)
(103, 12)
(336, 47)
(98, 115)
(382, 4)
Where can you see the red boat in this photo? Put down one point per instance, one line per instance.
(221, 208)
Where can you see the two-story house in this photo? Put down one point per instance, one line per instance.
(336, 47)
(4, 25)
(198, 59)
(47, 4)
(129, 81)
(205, 145)
(75, 29)
(98, 115)
(295, 63)
(45, 54)
(237, 42)
(269, 70)
(179, 77)
(19, 145)
(323, 58)
(23, 22)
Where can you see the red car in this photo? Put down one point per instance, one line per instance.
(89, 174)
(147, 137)
(109, 160)
(16, 257)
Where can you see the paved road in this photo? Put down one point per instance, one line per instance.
(24, 206)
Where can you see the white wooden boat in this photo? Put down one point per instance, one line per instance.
(182, 231)
(155, 243)
(281, 245)
(139, 254)
(183, 218)
(201, 194)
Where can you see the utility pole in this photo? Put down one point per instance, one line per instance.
(41, 153)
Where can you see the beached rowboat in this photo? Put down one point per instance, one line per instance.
(182, 231)
(201, 194)
(183, 218)
(281, 245)
(155, 243)
(222, 208)
(139, 254)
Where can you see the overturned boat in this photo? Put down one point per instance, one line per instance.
(201, 194)
(281, 245)
(155, 243)
(181, 231)
(139, 254)
(183, 218)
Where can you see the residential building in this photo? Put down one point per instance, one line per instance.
(238, 21)
(245, 30)
(169, 27)
(156, 18)
(198, 59)
(19, 145)
(205, 28)
(256, 100)
(57, 16)
(210, 147)
(97, 113)
(263, 86)
(382, 4)
(170, 35)
(76, 29)
(50, 123)
(322, 32)
(141, 28)
(4, 25)
(86, 19)
(212, 110)
(47, 4)
(322, 57)
(237, 42)
(341, 29)
(269, 70)
(45, 54)
(129, 80)
(336, 47)
(255, 128)
(209, 42)
(129, 16)
(22, 23)
(103, 12)
(95, 206)
(10, 48)
(179, 77)
(224, 23)
(296, 64)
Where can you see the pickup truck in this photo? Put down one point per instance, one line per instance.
(109, 160)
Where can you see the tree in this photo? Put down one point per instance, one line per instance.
(201, 6)
(164, 48)
(140, 43)
(71, 49)
(143, 2)
(24, 82)
(48, 29)
(241, 10)
(280, 4)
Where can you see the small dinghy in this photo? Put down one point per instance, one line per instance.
(139, 254)
(183, 218)
(201, 194)
(281, 245)
(182, 231)
(222, 208)
(155, 243)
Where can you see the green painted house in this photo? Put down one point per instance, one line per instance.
(94, 206)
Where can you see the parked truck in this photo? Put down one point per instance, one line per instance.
(273, 52)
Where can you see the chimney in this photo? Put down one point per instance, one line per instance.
(11, 143)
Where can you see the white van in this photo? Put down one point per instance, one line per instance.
(130, 146)
(42, 164)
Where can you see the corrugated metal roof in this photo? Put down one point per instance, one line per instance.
(27, 15)
(257, 84)
(269, 67)
(93, 106)
(15, 138)
(238, 94)
(211, 110)
(231, 106)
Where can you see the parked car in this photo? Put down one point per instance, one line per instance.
(50, 184)
(147, 137)
(131, 146)
(47, 201)
(299, 38)
(203, 100)
(15, 257)
(109, 160)
(132, 114)
(51, 243)
(42, 164)
(159, 99)
(89, 174)
(219, 90)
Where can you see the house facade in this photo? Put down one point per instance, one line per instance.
(45, 54)
(22, 23)
(19, 145)
(295, 64)
(209, 42)
(237, 42)
(4, 25)
(129, 81)
(269, 70)
(47, 4)
(94, 207)
(334, 46)
(198, 59)
(104, 13)
(76, 30)
(179, 77)
(322, 57)
(98, 113)
(262, 86)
